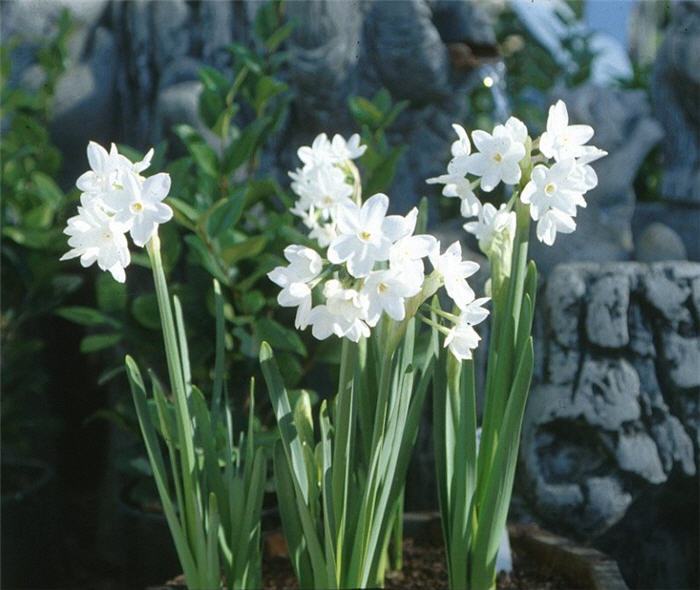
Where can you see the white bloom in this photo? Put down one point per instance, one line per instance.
(317, 154)
(584, 174)
(343, 314)
(461, 147)
(322, 187)
(386, 290)
(407, 253)
(347, 150)
(491, 224)
(553, 194)
(498, 157)
(96, 237)
(517, 130)
(323, 152)
(104, 173)
(137, 205)
(454, 272)
(456, 185)
(366, 234)
(324, 233)
(463, 338)
(107, 170)
(304, 266)
(562, 141)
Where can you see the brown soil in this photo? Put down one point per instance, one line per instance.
(424, 567)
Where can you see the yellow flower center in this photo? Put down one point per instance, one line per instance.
(381, 287)
(550, 188)
(107, 236)
(497, 157)
(365, 235)
(137, 207)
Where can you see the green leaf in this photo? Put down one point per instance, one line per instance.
(283, 337)
(205, 158)
(86, 316)
(285, 419)
(243, 148)
(211, 105)
(145, 310)
(266, 89)
(213, 80)
(382, 176)
(111, 296)
(245, 249)
(37, 239)
(364, 112)
(252, 302)
(274, 40)
(96, 342)
(47, 189)
(225, 214)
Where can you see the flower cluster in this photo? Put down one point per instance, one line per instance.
(552, 189)
(324, 183)
(374, 263)
(115, 200)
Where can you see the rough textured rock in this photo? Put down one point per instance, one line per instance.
(612, 421)
(624, 128)
(676, 94)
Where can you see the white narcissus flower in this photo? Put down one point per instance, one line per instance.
(456, 185)
(498, 157)
(347, 150)
(104, 171)
(386, 290)
(583, 174)
(343, 314)
(562, 141)
(317, 154)
(407, 253)
(366, 234)
(461, 147)
(553, 195)
(95, 236)
(463, 338)
(491, 224)
(304, 266)
(138, 204)
(454, 272)
(321, 187)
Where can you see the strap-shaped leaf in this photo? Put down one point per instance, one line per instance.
(138, 393)
(329, 516)
(302, 540)
(494, 511)
(212, 534)
(285, 420)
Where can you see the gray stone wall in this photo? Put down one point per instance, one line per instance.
(612, 420)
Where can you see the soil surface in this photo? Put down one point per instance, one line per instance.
(424, 567)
